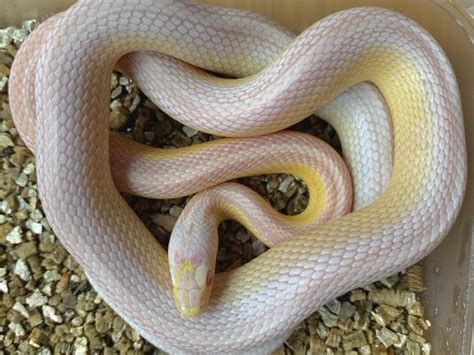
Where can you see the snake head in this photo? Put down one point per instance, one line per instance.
(191, 287)
(192, 254)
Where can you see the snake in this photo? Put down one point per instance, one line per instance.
(255, 307)
(359, 116)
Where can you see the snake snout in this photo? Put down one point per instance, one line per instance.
(191, 287)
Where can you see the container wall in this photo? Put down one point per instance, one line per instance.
(448, 270)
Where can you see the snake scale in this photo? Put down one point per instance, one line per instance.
(285, 80)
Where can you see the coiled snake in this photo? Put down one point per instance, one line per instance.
(253, 308)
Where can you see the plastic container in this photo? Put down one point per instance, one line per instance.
(449, 269)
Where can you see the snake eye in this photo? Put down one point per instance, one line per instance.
(210, 277)
(173, 271)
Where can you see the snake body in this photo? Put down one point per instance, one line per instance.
(120, 256)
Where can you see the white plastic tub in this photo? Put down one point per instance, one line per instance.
(449, 269)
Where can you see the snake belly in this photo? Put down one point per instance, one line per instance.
(292, 279)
